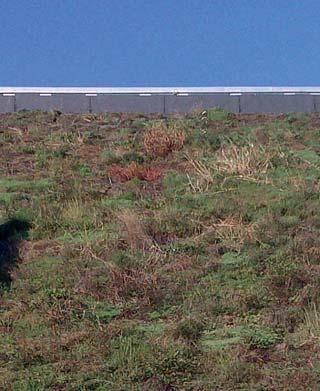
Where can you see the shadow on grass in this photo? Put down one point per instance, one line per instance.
(11, 235)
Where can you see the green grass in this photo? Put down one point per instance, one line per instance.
(11, 184)
(205, 277)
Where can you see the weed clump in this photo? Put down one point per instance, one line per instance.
(160, 140)
(189, 329)
(264, 338)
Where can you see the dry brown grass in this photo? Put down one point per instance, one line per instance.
(231, 233)
(141, 283)
(249, 162)
(155, 383)
(134, 170)
(160, 140)
(204, 176)
(32, 350)
(133, 231)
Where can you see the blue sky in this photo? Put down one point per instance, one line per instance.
(159, 42)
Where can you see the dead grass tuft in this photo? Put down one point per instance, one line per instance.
(141, 284)
(247, 162)
(134, 233)
(204, 175)
(160, 140)
(134, 170)
(231, 233)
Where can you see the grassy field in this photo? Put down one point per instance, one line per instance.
(160, 255)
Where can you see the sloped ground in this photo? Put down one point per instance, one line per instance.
(177, 256)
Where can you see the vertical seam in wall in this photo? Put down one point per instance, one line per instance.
(239, 103)
(90, 104)
(314, 104)
(14, 104)
(164, 105)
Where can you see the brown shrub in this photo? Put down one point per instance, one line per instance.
(135, 170)
(160, 140)
(150, 174)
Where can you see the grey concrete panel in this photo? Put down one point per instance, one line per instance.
(316, 101)
(184, 104)
(274, 103)
(68, 103)
(127, 103)
(36, 102)
(6, 104)
(73, 103)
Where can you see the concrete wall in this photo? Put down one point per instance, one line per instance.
(161, 103)
(184, 104)
(67, 103)
(7, 104)
(128, 103)
(276, 103)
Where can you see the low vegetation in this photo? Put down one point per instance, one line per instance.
(148, 254)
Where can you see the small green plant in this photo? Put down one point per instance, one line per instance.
(42, 157)
(110, 157)
(101, 313)
(217, 114)
(132, 157)
(82, 169)
(264, 338)
(189, 329)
